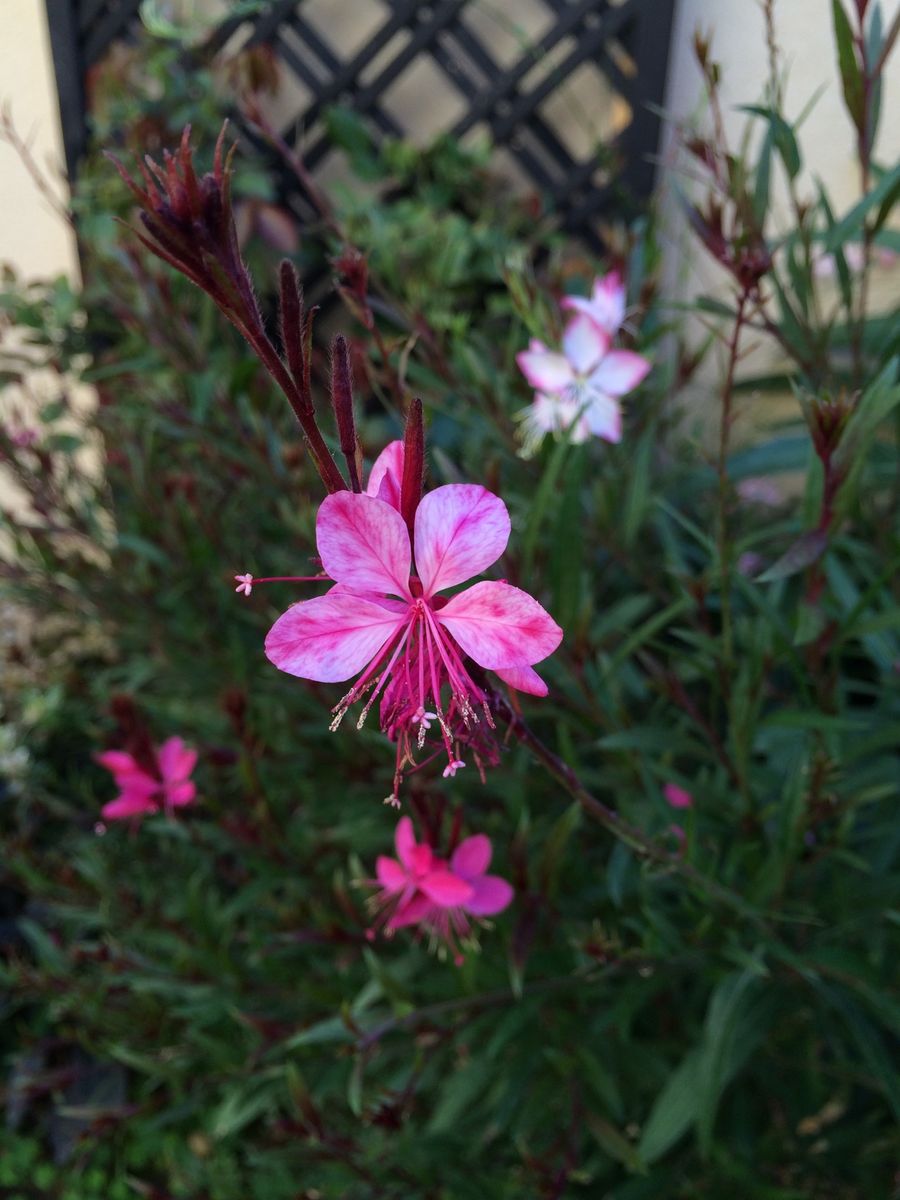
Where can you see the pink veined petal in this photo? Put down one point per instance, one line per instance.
(390, 874)
(444, 888)
(412, 912)
(619, 372)
(332, 637)
(405, 842)
(117, 761)
(363, 543)
(603, 417)
(524, 679)
(460, 530)
(472, 856)
(491, 895)
(387, 475)
(129, 804)
(500, 625)
(545, 370)
(177, 795)
(585, 343)
(176, 761)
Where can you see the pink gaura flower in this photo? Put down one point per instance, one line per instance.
(587, 379)
(421, 889)
(677, 797)
(606, 305)
(394, 629)
(143, 791)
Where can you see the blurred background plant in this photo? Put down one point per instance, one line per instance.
(194, 1008)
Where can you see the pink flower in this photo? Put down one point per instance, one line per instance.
(678, 797)
(589, 376)
(420, 889)
(606, 306)
(397, 632)
(142, 791)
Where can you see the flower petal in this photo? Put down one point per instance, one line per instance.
(491, 894)
(460, 530)
(176, 761)
(545, 370)
(619, 372)
(585, 344)
(499, 625)
(129, 804)
(363, 543)
(332, 637)
(444, 888)
(179, 794)
(524, 679)
(603, 417)
(386, 475)
(472, 856)
(405, 842)
(677, 796)
(390, 874)
(117, 761)
(606, 306)
(417, 909)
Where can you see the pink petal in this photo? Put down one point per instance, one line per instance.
(499, 625)
(461, 529)
(678, 797)
(472, 856)
(176, 761)
(129, 804)
(444, 888)
(544, 370)
(523, 679)
(332, 637)
(619, 372)
(491, 894)
(405, 842)
(585, 344)
(387, 475)
(179, 794)
(412, 912)
(603, 417)
(363, 543)
(390, 874)
(117, 761)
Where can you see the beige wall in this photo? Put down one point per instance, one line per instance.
(32, 237)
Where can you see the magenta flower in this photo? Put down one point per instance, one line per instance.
(395, 631)
(586, 381)
(677, 797)
(422, 890)
(606, 306)
(143, 791)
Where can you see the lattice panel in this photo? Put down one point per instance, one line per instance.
(562, 87)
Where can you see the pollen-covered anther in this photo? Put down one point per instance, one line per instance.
(393, 801)
(455, 764)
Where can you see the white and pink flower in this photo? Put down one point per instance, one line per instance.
(579, 389)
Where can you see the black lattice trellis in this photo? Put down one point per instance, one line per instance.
(506, 99)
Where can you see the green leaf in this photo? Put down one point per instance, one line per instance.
(724, 1016)
(807, 549)
(615, 1144)
(849, 227)
(851, 76)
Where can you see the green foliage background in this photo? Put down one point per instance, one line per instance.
(193, 1009)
